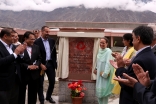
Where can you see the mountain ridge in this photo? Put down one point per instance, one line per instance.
(29, 19)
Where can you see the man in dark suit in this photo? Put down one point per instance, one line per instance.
(142, 38)
(154, 48)
(153, 45)
(144, 89)
(9, 67)
(48, 54)
(30, 71)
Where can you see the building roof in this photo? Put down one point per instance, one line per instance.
(69, 24)
(18, 30)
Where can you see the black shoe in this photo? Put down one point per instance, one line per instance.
(41, 102)
(50, 100)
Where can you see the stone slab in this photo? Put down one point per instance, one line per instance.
(80, 58)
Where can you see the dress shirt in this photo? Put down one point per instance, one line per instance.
(47, 48)
(153, 46)
(9, 48)
(29, 50)
(141, 50)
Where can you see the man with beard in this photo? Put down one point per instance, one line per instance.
(48, 54)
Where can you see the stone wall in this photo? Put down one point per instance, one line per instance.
(64, 92)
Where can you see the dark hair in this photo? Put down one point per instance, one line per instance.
(7, 31)
(145, 33)
(44, 28)
(27, 34)
(128, 37)
(105, 39)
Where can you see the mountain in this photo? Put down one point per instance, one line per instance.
(35, 19)
(145, 1)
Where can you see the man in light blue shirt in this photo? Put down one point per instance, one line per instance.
(48, 54)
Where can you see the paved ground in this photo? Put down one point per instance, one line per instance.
(112, 100)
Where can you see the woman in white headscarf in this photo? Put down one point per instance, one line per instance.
(104, 72)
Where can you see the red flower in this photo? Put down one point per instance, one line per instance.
(76, 89)
(79, 89)
(82, 94)
(75, 84)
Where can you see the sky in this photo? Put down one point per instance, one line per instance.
(50, 5)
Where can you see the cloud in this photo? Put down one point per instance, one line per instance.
(50, 5)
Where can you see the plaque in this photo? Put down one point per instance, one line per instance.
(80, 58)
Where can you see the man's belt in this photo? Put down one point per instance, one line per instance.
(48, 61)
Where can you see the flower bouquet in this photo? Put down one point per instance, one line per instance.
(76, 89)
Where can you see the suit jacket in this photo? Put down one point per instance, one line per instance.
(154, 50)
(35, 57)
(8, 67)
(144, 95)
(39, 42)
(147, 60)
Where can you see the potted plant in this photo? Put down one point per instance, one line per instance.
(77, 93)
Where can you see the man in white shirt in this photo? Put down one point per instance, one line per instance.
(9, 67)
(30, 72)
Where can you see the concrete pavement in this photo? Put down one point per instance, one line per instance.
(112, 100)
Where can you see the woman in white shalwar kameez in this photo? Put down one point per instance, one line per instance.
(104, 72)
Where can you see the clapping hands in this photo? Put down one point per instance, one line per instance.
(119, 59)
(129, 81)
(20, 49)
(143, 77)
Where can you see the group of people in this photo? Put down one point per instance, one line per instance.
(134, 68)
(23, 65)
(106, 68)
